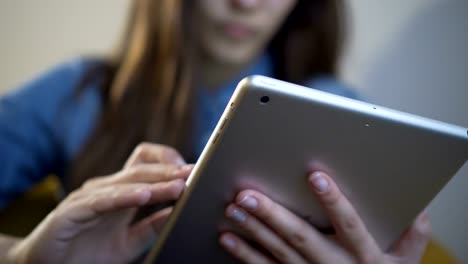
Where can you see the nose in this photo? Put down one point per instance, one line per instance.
(246, 4)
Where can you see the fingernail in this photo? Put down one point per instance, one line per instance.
(143, 194)
(426, 211)
(228, 242)
(180, 161)
(249, 202)
(424, 214)
(238, 216)
(184, 169)
(141, 190)
(319, 182)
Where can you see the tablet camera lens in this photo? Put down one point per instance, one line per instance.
(264, 99)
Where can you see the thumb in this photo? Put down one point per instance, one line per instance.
(413, 242)
(146, 231)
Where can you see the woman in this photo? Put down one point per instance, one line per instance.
(175, 71)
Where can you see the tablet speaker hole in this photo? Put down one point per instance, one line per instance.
(264, 99)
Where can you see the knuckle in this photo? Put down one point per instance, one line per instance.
(423, 229)
(241, 251)
(265, 207)
(168, 152)
(167, 171)
(281, 254)
(89, 183)
(174, 189)
(331, 198)
(370, 258)
(298, 236)
(74, 195)
(92, 202)
(349, 223)
(131, 172)
(245, 253)
(142, 149)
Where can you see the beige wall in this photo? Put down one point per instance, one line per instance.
(38, 34)
(410, 55)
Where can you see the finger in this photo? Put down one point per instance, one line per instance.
(84, 206)
(263, 235)
(166, 191)
(154, 153)
(145, 232)
(93, 203)
(241, 250)
(151, 173)
(158, 219)
(348, 225)
(142, 173)
(298, 233)
(412, 244)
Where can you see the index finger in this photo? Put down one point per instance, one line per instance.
(294, 230)
(154, 153)
(91, 203)
(346, 221)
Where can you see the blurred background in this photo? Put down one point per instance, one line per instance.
(409, 55)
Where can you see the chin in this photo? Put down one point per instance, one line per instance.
(234, 58)
(232, 54)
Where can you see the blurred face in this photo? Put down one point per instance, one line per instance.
(235, 31)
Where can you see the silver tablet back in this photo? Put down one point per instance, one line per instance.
(389, 164)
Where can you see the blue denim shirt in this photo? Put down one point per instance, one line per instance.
(43, 125)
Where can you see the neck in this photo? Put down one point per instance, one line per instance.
(213, 74)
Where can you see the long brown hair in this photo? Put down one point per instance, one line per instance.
(146, 87)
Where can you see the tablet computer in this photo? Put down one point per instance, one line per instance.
(389, 164)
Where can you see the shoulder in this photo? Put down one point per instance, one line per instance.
(330, 84)
(45, 95)
(52, 84)
(50, 103)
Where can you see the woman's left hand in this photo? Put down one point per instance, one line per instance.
(289, 239)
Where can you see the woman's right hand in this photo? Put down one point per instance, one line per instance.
(95, 223)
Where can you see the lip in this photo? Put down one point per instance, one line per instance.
(237, 31)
